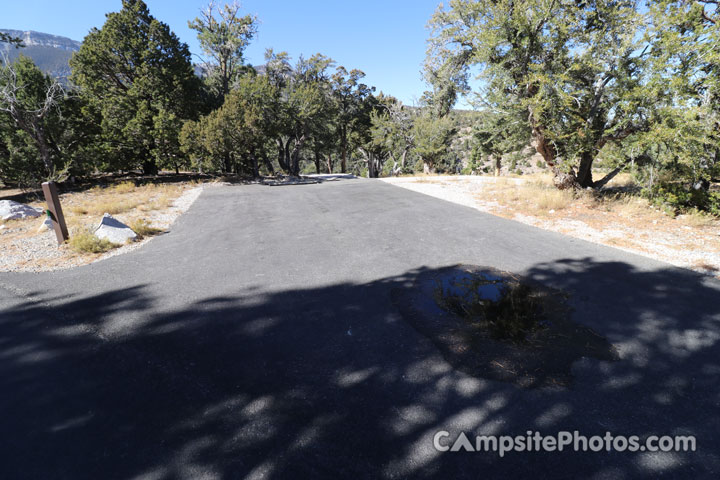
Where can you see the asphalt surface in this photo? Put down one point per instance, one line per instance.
(258, 339)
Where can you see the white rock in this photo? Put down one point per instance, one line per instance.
(45, 225)
(114, 230)
(10, 210)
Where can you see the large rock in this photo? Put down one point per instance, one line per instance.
(114, 230)
(10, 210)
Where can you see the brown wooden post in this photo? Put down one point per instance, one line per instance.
(55, 211)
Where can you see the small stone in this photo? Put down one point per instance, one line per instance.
(10, 210)
(114, 230)
(551, 211)
(45, 225)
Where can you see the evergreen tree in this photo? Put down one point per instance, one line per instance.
(138, 76)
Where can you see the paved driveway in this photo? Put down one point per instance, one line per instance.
(258, 339)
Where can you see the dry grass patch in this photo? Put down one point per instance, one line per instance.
(624, 205)
(84, 241)
(697, 219)
(552, 199)
(78, 210)
(145, 208)
(621, 242)
(124, 187)
(143, 228)
(622, 180)
(535, 197)
(113, 207)
(122, 198)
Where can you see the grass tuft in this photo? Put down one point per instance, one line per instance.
(548, 199)
(86, 242)
(143, 228)
(124, 187)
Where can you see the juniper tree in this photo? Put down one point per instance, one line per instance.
(577, 69)
(137, 74)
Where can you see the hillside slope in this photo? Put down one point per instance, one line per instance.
(49, 52)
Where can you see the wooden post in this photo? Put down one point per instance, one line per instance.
(55, 211)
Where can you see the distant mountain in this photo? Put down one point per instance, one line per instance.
(51, 53)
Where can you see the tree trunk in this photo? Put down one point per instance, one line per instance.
(34, 128)
(628, 161)
(295, 156)
(317, 162)
(149, 167)
(542, 145)
(584, 175)
(284, 155)
(44, 150)
(255, 165)
(343, 160)
(428, 168)
(372, 166)
(564, 181)
(36, 132)
(373, 163)
(329, 163)
(227, 164)
(549, 153)
(498, 165)
(268, 164)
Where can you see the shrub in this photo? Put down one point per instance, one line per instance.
(683, 199)
(86, 242)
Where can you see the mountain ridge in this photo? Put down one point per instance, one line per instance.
(51, 53)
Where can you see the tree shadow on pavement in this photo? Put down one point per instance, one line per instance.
(331, 382)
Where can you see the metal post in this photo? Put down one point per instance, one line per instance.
(55, 211)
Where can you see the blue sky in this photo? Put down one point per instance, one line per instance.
(385, 39)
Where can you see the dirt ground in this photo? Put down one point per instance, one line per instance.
(27, 247)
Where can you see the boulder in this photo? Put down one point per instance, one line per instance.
(10, 210)
(114, 230)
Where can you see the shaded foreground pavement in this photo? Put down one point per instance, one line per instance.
(258, 340)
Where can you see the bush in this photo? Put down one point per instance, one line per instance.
(86, 242)
(681, 198)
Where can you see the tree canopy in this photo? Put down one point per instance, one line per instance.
(138, 76)
(223, 35)
(576, 69)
